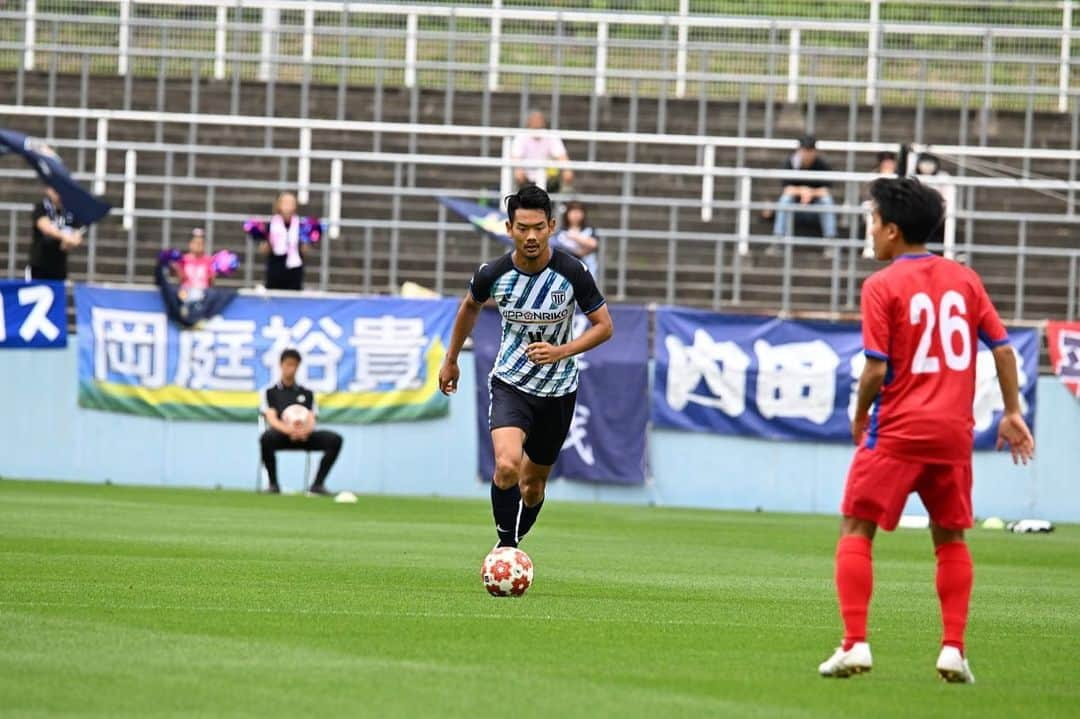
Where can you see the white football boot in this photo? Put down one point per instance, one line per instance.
(953, 667)
(841, 664)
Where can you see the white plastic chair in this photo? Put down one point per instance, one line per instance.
(261, 478)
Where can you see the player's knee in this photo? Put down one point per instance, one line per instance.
(267, 438)
(506, 472)
(336, 441)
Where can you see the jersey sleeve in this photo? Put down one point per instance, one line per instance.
(558, 148)
(481, 282)
(314, 404)
(586, 292)
(876, 328)
(517, 147)
(264, 404)
(991, 330)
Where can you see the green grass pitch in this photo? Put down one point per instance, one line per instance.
(175, 603)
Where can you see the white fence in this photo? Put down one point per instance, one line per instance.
(724, 218)
(576, 50)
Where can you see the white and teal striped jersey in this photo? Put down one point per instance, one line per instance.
(536, 308)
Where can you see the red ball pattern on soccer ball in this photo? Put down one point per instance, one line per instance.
(507, 572)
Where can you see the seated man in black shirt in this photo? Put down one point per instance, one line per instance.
(806, 191)
(283, 435)
(55, 234)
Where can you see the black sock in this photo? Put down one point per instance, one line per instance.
(505, 504)
(528, 518)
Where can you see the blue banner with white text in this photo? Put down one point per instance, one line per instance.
(367, 359)
(33, 314)
(607, 438)
(796, 380)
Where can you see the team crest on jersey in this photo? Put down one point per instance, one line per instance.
(558, 298)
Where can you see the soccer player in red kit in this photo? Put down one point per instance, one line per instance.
(922, 318)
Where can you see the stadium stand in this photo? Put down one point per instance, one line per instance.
(658, 247)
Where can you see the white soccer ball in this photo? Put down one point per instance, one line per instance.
(295, 415)
(507, 572)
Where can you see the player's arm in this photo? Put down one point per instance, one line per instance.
(877, 339)
(1012, 430)
(469, 311)
(870, 383)
(275, 422)
(463, 327)
(599, 332)
(309, 425)
(271, 414)
(68, 239)
(592, 303)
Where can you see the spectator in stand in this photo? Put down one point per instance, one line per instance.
(806, 191)
(55, 234)
(577, 237)
(534, 149)
(886, 164)
(192, 300)
(195, 269)
(282, 247)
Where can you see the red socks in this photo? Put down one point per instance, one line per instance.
(854, 584)
(955, 576)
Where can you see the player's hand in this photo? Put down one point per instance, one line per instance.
(297, 435)
(858, 428)
(543, 353)
(1013, 431)
(448, 378)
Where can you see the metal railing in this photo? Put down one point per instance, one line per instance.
(1007, 60)
(683, 226)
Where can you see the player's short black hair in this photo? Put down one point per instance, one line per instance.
(290, 354)
(918, 210)
(529, 197)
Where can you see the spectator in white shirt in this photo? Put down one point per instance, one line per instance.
(534, 149)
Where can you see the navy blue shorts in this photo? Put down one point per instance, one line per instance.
(545, 420)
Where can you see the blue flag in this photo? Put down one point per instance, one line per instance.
(492, 222)
(486, 219)
(86, 208)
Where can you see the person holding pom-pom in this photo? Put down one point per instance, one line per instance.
(283, 247)
(192, 299)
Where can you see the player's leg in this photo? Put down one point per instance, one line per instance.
(533, 483)
(554, 417)
(946, 492)
(855, 576)
(874, 495)
(329, 443)
(269, 443)
(505, 491)
(510, 418)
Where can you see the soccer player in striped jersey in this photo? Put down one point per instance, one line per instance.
(923, 316)
(533, 385)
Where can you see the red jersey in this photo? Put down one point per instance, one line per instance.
(924, 315)
(196, 273)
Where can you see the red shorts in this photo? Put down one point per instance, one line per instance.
(878, 486)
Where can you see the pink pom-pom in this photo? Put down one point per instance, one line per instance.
(225, 262)
(311, 230)
(255, 229)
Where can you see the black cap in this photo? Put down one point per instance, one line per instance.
(807, 142)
